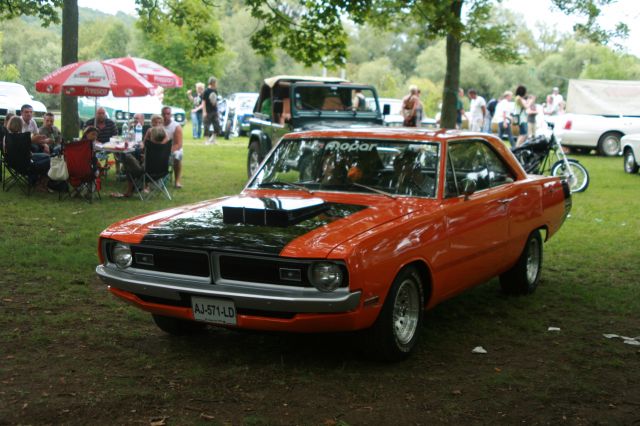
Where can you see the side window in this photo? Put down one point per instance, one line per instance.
(499, 173)
(476, 161)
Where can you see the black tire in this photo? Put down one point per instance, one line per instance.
(395, 333)
(609, 144)
(524, 276)
(254, 158)
(177, 326)
(580, 180)
(630, 163)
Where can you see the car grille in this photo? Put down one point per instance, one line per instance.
(171, 261)
(228, 266)
(261, 270)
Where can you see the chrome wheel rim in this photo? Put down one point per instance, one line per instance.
(629, 162)
(533, 260)
(254, 162)
(406, 311)
(576, 178)
(611, 145)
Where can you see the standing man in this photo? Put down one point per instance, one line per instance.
(556, 101)
(504, 108)
(174, 133)
(210, 105)
(29, 125)
(409, 107)
(52, 134)
(106, 127)
(478, 110)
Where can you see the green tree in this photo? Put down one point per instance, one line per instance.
(32, 50)
(112, 41)
(312, 31)
(46, 10)
(69, 104)
(8, 72)
(383, 75)
(195, 20)
(182, 35)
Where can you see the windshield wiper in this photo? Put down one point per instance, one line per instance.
(281, 183)
(371, 188)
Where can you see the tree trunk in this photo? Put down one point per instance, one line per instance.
(69, 104)
(452, 76)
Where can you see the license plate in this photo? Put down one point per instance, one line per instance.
(217, 311)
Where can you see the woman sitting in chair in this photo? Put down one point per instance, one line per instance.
(39, 162)
(133, 166)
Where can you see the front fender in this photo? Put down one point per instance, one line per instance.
(263, 140)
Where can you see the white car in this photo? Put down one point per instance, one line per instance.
(13, 96)
(601, 132)
(631, 152)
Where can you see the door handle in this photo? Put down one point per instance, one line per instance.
(506, 200)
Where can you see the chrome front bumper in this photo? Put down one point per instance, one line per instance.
(245, 295)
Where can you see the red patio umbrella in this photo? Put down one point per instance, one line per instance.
(95, 78)
(154, 73)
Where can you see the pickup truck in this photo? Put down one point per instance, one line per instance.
(293, 103)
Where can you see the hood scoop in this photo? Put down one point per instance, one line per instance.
(271, 211)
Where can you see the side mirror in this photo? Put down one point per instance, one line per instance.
(468, 187)
(386, 109)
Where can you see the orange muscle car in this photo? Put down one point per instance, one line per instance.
(342, 230)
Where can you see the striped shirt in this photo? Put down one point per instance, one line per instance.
(105, 133)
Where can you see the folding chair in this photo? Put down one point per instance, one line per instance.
(156, 170)
(18, 169)
(80, 164)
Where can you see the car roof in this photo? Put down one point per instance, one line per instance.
(8, 83)
(271, 81)
(416, 133)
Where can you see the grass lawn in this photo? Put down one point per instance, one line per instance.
(70, 353)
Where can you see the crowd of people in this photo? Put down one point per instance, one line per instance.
(506, 111)
(43, 141)
(46, 141)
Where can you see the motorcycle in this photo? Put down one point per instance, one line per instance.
(230, 127)
(537, 154)
(223, 112)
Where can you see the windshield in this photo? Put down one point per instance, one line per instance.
(352, 165)
(333, 99)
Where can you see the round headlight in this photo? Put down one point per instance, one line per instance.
(121, 255)
(325, 276)
(119, 115)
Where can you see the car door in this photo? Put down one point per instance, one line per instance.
(477, 224)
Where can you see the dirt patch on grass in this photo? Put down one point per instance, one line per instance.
(103, 362)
